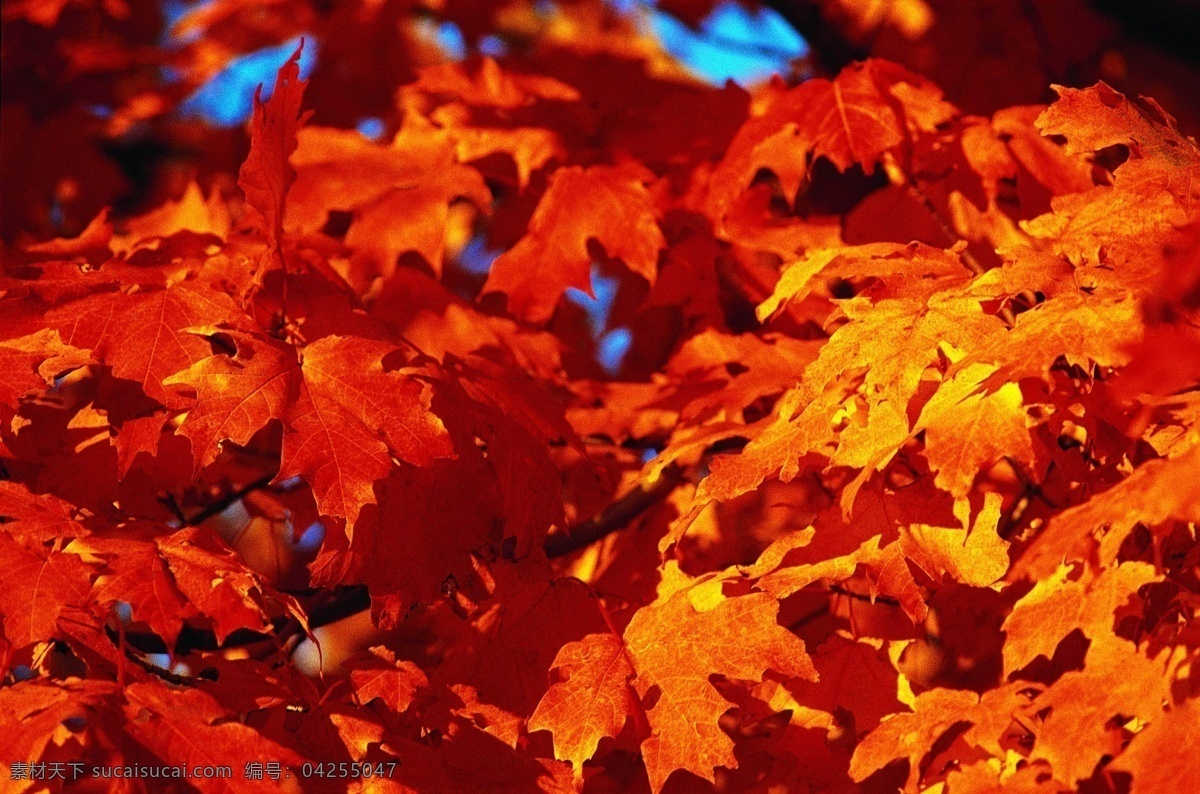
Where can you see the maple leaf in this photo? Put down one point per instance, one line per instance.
(868, 109)
(912, 734)
(487, 110)
(185, 576)
(783, 568)
(966, 431)
(137, 575)
(596, 672)
(266, 176)
(855, 675)
(1151, 192)
(977, 557)
(1058, 605)
(237, 396)
(1095, 118)
(341, 424)
(1159, 491)
(35, 587)
(342, 412)
(609, 205)
(463, 701)
(399, 194)
(137, 435)
(869, 349)
(490, 86)
(1084, 330)
(143, 337)
(192, 212)
(158, 350)
(771, 363)
(925, 268)
(41, 517)
(1116, 680)
(887, 346)
(379, 674)
(531, 617)
(215, 581)
(32, 363)
(734, 637)
(37, 718)
(1146, 756)
(190, 726)
(423, 538)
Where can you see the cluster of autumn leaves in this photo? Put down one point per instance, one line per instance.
(897, 489)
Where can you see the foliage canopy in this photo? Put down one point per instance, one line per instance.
(575, 425)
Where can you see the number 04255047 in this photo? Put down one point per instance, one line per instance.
(342, 769)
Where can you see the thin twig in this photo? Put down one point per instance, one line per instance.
(809, 617)
(172, 504)
(1034, 488)
(617, 515)
(968, 259)
(159, 672)
(877, 599)
(220, 505)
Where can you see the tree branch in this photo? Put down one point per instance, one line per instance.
(617, 515)
(876, 599)
(220, 505)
